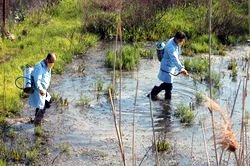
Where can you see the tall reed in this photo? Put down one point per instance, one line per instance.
(154, 138)
(133, 124)
(118, 133)
(210, 74)
(111, 96)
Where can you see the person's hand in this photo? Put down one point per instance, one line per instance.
(42, 92)
(184, 71)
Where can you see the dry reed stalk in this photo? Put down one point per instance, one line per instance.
(154, 139)
(4, 88)
(235, 99)
(192, 143)
(119, 27)
(145, 155)
(221, 155)
(243, 135)
(228, 158)
(205, 143)
(118, 133)
(210, 81)
(213, 106)
(133, 137)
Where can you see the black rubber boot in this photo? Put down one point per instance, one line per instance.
(154, 92)
(39, 116)
(168, 89)
(168, 95)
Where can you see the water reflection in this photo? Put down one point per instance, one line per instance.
(163, 117)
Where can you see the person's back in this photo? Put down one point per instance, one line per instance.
(170, 58)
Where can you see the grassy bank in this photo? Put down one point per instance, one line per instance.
(57, 29)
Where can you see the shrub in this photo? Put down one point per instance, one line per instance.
(228, 20)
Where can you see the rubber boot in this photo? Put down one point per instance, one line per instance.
(168, 93)
(154, 92)
(39, 116)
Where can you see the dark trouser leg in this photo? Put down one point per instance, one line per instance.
(155, 91)
(39, 116)
(168, 89)
(37, 109)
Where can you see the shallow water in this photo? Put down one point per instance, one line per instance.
(89, 131)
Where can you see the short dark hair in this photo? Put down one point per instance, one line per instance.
(51, 57)
(180, 35)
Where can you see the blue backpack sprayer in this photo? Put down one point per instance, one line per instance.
(160, 49)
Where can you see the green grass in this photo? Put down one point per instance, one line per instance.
(83, 101)
(163, 146)
(185, 114)
(233, 67)
(3, 162)
(99, 85)
(39, 132)
(199, 98)
(19, 149)
(199, 66)
(58, 29)
(32, 155)
(127, 59)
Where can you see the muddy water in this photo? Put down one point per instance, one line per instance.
(88, 132)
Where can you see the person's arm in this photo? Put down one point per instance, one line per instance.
(175, 59)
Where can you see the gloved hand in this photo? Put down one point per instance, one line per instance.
(42, 92)
(184, 71)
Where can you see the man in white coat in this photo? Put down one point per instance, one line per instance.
(170, 60)
(41, 76)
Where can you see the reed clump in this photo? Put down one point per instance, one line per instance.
(199, 98)
(128, 58)
(185, 114)
(225, 136)
(163, 146)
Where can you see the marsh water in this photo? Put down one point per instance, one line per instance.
(88, 132)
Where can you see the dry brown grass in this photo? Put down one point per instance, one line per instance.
(225, 136)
